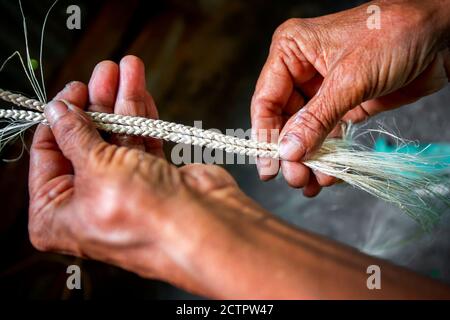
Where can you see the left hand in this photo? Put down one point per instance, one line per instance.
(115, 202)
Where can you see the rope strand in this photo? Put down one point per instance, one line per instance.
(401, 179)
(145, 127)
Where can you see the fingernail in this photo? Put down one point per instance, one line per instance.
(289, 147)
(55, 110)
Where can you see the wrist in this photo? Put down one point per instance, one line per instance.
(227, 246)
(434, 17)
(209, 233)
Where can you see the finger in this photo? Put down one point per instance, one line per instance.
(73, 130)
(273, 89)
(296, 174)
(103, 87)
(309, 89)
(324, 180)
(133, 99)
(307, 129)
(46, 159)
(275, 95)
(74, 92)
(313, 188)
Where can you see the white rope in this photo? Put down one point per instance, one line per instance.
(144, 127)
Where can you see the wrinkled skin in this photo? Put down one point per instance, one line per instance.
(117, 200)
(324, 70)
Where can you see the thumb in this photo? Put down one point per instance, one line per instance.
(73, 131)
(306, 130)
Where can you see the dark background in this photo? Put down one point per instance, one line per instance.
(203, 58)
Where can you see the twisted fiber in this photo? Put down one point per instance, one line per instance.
(146, 131)
(21, 101)
(186, 139)
(225, 142)
(28, 116)
(181, 129)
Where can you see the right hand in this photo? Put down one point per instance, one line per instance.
(323, 70)
(122, 203)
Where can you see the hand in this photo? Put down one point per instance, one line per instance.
(110, 201)
(323, 70)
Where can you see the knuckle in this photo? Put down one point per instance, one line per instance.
(208, 178)
(102, 154)
(135, 142)
(218, 173)
(136, 154)
(264, 105)
(134, 104)
(318, 122)
(107, 219)
(135, 98)
(297, 30)
(287, 27)
(38, 244)
(111, 215)
(37, 237)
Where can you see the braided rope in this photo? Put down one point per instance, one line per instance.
(144, 127)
